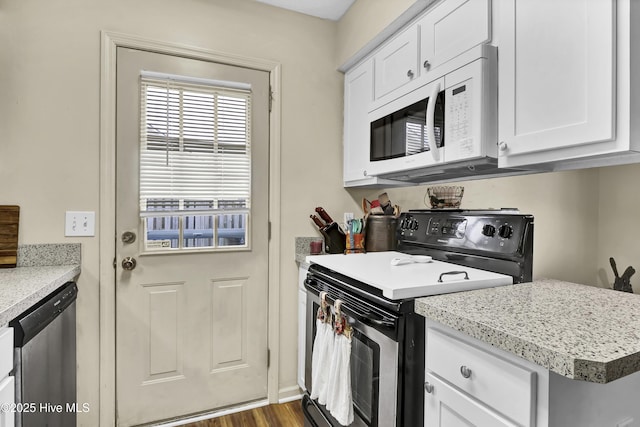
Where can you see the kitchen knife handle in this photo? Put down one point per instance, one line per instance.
(324, 215)
(317, 221)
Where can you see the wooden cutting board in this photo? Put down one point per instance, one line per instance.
(9, 221)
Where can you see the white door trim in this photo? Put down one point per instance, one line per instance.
(110, 41)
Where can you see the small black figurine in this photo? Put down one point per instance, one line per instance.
(621, 283)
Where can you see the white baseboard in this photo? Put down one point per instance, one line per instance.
(285, 395)
(216, 414)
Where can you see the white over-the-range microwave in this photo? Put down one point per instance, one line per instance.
(446, 128)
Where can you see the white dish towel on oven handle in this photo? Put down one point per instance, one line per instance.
(322, 352)
(339, 398)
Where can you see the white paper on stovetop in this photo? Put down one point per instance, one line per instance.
(408, 280)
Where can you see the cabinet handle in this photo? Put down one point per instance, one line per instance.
(426, 64)
(364, 173)
(428, 387)
(502, 146)
(410, 74)
(466, 372)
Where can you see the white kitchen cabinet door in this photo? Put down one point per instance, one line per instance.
(396, 65)
(451, 28)
(447, 406)
(556, 76)
(358, 94)
(7, 398)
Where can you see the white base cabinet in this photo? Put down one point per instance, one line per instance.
(7, 382)
(470, 383)
(302, 322)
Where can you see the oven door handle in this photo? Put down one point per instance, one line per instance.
(368, 318)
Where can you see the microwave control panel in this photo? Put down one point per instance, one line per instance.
(459, 114)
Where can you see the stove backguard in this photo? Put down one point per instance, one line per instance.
(495, 240)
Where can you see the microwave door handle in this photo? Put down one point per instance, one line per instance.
(431, 134)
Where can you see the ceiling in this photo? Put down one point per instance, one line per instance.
(326, 9)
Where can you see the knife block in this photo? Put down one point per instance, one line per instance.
(334, 239)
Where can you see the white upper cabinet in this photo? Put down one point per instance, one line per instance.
(562, 73)
(358, 94)
(396, 63)
(451, 28)
(568, 83)
(403, 64)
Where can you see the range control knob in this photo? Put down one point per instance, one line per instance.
(505, 231)
(489, 230)
(415, 224)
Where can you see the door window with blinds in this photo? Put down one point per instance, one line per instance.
(195, 163)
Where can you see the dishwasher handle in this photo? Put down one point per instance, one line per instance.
(28, 324)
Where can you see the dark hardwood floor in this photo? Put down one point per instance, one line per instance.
(279, 415)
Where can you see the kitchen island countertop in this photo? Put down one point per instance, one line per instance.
(578, 331)
(22, 287)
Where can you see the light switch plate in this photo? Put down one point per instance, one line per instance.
(80, 223)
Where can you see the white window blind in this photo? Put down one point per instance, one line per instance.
(195, 147)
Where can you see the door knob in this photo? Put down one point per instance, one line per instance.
(129, 263)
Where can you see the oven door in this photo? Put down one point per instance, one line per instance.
(374, 367)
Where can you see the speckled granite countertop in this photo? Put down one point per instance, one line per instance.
(41, 269)
(580, 332)
(22, 287)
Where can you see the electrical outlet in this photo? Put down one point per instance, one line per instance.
(80, 223)
(347, 217)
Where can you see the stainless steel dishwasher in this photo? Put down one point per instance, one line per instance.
(45, 360)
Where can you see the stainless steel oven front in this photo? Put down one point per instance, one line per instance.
(375, 355)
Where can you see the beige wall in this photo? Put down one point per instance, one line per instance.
(617, 229)
(49, 116)
(362, 22)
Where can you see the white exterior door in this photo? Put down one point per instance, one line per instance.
(191, 316)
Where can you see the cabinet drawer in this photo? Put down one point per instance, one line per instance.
(498, 383)
(6, 351)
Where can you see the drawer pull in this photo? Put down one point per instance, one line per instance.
(466, 372)
(428, 387)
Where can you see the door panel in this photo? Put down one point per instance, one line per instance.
(191, 324)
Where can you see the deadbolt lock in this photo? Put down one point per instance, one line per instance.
(128, 237)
